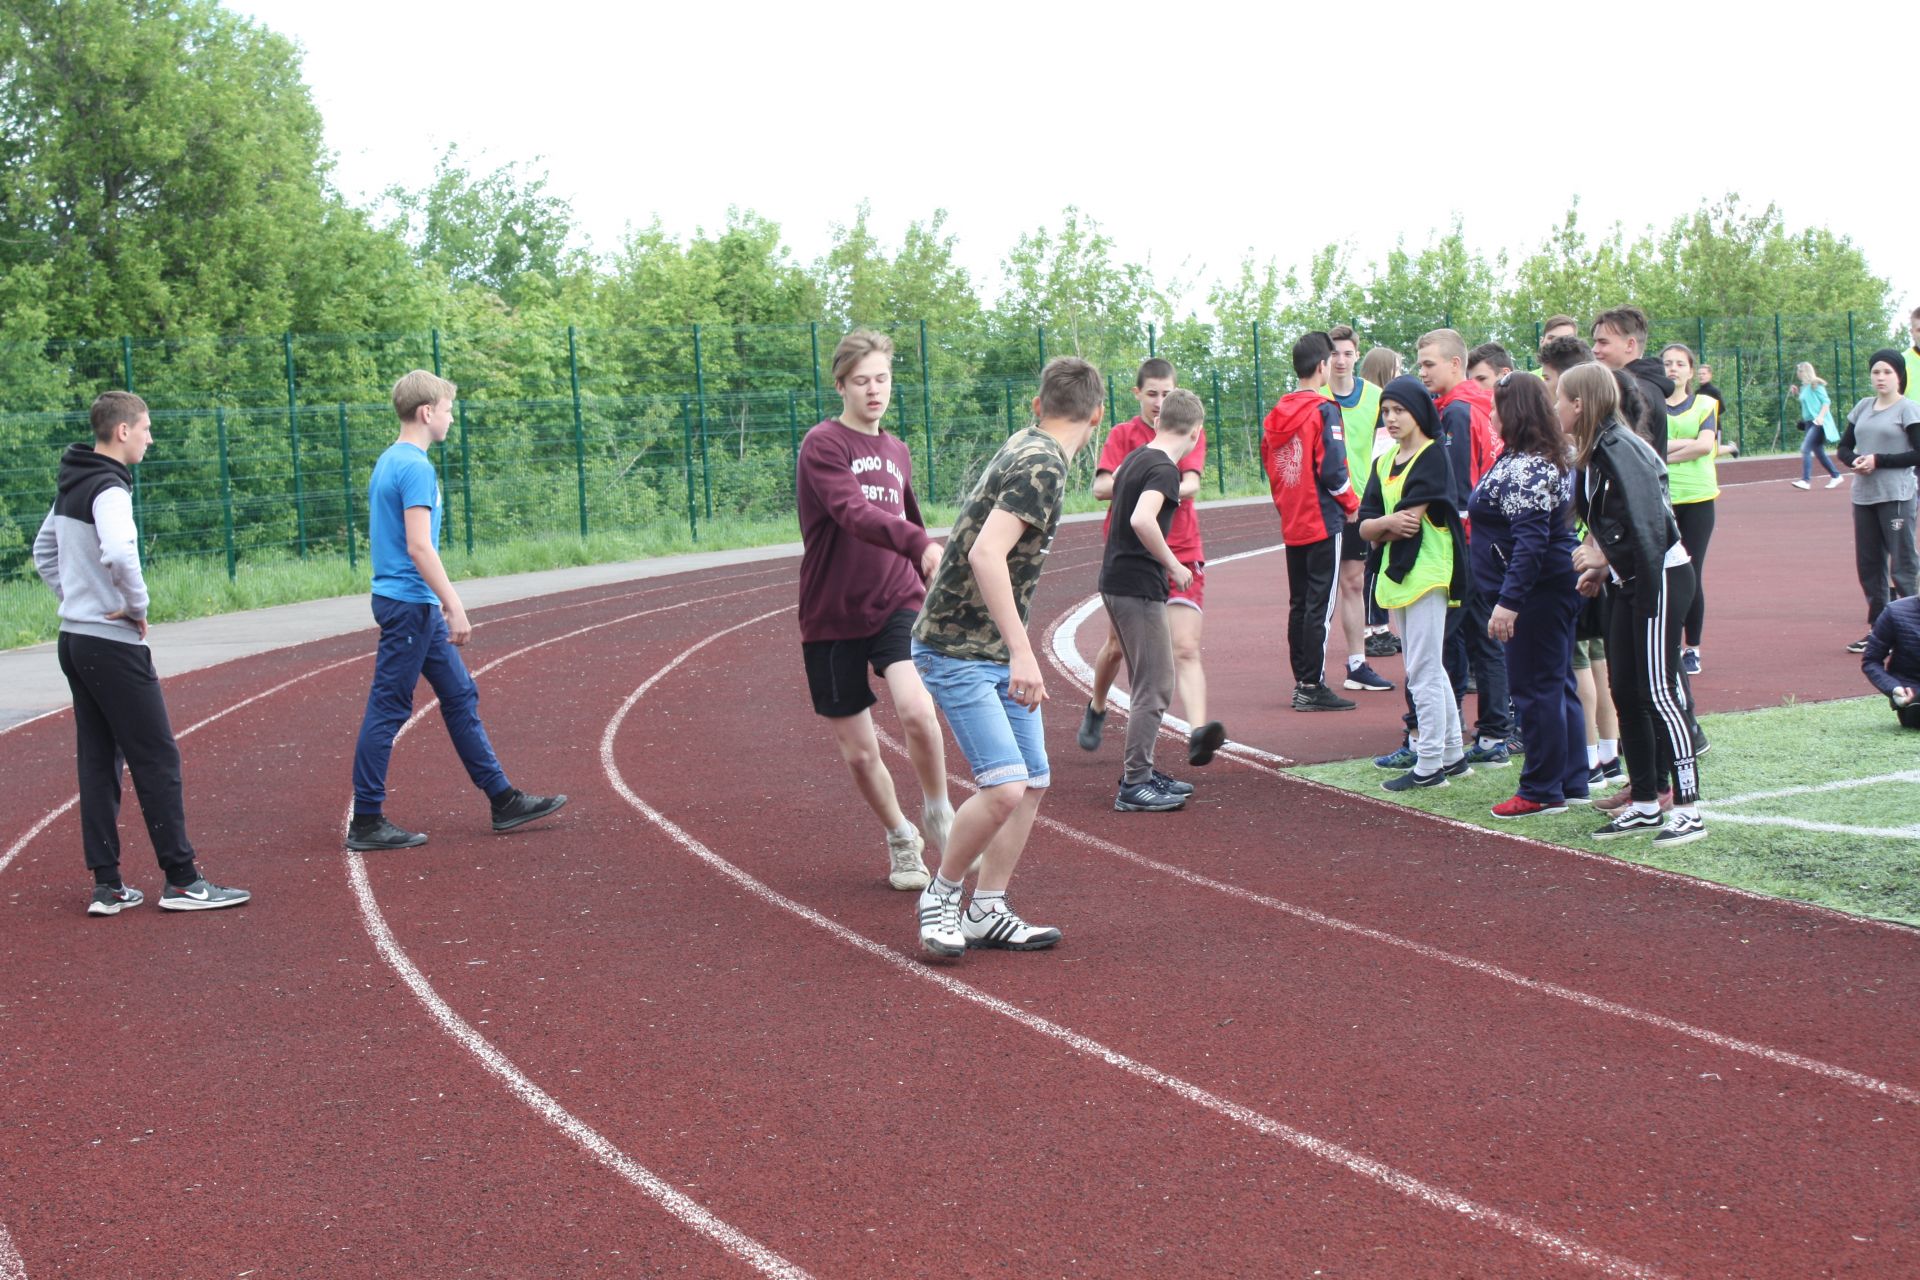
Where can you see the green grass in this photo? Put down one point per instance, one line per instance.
(1797, 744)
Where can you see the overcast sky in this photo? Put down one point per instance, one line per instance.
(1194, 132)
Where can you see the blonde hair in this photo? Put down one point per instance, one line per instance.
(417, 389)
(1380, 366)
(1182, 413)
(1808, 378)
(855, 347)
(1448, 342)
(1593, 386)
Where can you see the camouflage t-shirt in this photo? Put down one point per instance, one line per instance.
(1028, 478)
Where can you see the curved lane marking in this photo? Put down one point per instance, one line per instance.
(1372, 1170)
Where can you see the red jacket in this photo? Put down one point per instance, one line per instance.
(1484, 441)
(1303, 450)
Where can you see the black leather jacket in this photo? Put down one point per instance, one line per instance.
(1623, 498)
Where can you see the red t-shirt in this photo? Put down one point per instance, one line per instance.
(1183, 538)
(861, 532)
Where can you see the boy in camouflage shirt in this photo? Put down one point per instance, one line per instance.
(972, 650)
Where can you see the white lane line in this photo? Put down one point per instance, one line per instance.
(1804, 824)
(1586, 1000)
(1062, 640)
(21, 724)
(12, 1265)
(1375, 1171)
(1839, 784)
(13, 850)
(683, 1207)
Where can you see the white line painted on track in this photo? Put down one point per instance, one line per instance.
(683, 1207)
(12, 1265)
(1806, 824)
(1375, 1171)
(1838, 784)
(21, 724)
(1586, 1000)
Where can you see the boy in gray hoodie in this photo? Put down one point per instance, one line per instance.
(88, 552)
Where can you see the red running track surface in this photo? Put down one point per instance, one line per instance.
(1282, 1035)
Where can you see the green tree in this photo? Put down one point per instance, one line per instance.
(500, 231)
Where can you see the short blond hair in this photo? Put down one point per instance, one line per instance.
(1181, 413)
(1449, 342)
(855, 347)
(417, 389)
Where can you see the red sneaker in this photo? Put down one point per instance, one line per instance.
(1521, 807)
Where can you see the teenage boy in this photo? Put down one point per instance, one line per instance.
(88, 552)
(1359, 402)
(972, 649)
(1136, 572)
(1151, 386)
(1466, 431)
(1619, 339)
(1557, 355)
(1303, 451)
(1891, 658)
(421, 624)
(1562, 326)
(1487, 364)
(864, 558)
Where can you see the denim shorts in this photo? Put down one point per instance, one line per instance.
(1002, 740)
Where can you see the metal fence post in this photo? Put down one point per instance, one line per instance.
(819, 405)
(346, 483)
(793, 438)
(1040, 332)
(1779, 380)
(700, 390)
(579, 432)
(1151, 352)
(1259, 398)
(926, 408)
(1220, 441)
(126, 369)
(293, 433)
(686, 459)
(1853, 363)
(226, 487)
(1111, 411)
(466, 477)
(1740, 394)
(1700, 334)
(442, 446)
(1007, 383)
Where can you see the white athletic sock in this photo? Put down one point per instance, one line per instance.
(1593, 757)
(1609, 749)
(1688, 811)
(1646, 806)
(986, 898)
(945, 885)
(1355, 661)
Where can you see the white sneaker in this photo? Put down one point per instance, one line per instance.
(1801, 484)
(998, 926)
(1836, 482)
(940, 922)
(938, 824)
(907, 868)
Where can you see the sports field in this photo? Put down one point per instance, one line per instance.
(686, 1028)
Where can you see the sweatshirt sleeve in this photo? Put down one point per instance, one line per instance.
(1374, 504)
(838, 489)
(1457, 423)
(46, 556)
(1333, 460)
(1911, 456)
(120, 548)
(1844, 450)
(1873, 659)
(1532, 534)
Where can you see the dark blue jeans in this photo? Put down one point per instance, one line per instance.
(1815, 441)
(1546, 701)
(413, 643)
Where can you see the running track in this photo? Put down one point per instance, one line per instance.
(685, 1029)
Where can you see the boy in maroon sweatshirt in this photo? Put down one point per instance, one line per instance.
(863, 567)
(1304, 453)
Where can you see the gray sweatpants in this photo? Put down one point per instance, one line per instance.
(1142, 627)
(1423, 634)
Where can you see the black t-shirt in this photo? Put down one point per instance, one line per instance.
(1128, 568)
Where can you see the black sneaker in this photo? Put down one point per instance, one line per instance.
(1596, 777)
(1382, 644)
(374, 833)
(1461, 768)
(1147, 797)
(1631, 822)
(1680, 829)
(1203, 742)
(1091, 723)
(1612, 770)
(1860, 645)
(111, 900)
(1700, 744)
(1412, 780)
(517, 809)
(1317, 697)
(1167, 782)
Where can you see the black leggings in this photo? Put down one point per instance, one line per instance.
(1696, 531)
(1643, 665)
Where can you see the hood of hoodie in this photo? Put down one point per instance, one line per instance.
(81, 467)
(1475, 395)
(1654, 374)
(1412, 395)
(1297, 413)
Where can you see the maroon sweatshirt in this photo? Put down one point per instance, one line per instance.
(861, 530)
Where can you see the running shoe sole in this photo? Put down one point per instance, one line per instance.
(1206, 741)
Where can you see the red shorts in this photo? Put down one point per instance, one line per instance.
(1196, 591)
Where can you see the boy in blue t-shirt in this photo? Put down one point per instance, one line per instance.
(416, 638)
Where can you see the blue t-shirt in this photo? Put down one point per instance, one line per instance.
(404, 477)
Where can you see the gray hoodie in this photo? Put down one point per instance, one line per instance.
(88, 550)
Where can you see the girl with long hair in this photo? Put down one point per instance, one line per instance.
(1693, 484)
(1818, 429)
(1522, 547)
(1634, 553)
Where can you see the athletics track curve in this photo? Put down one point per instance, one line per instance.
(266, 1077)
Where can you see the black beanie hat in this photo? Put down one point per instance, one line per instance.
(1887, 355)
(1411, 394)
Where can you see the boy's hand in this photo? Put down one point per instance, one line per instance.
(1903, 696)
(459, 630)
(140, 624)
(930, 561)
(1181, 575)
(1591, 580)
(1023, 679)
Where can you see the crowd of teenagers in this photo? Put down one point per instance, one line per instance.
(1536, 541)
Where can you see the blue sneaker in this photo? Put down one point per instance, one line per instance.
(1410, 781)
(1404, 758)
(1366, 679)
(1690, 661)
(1493, 757)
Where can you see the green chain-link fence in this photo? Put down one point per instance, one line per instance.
(263, 445)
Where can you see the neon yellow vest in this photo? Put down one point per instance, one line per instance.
(1361, 422)
(1697, 479)
(1913, 373)
(1433, 567)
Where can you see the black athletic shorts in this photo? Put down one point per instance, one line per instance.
(837, 669)
(1351, 545)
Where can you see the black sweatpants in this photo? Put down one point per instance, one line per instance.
(1883, 547)
(1643, 665)
(1696, 531)
(1312, 571)
(119, 716)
